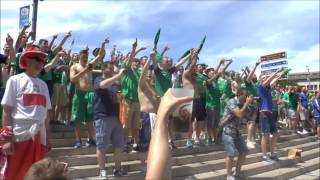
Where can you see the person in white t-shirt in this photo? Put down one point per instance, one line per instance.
(25, 108)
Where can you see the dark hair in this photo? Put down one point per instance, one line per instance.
(143, 57)
(241, 91)
(42, 40)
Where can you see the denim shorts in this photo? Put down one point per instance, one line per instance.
(234, 145)
(317, 121)
(108, 129)
(267, 123)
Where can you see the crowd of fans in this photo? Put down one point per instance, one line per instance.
(124, 100)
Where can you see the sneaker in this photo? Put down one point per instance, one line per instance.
(230, 178)
(77, 144)
(90, 143)
(135, 148)
(275, 158)
(172, 145)
(197, 143)
(304, 131)
(299, 132)
(189, 143)
(239, 175)
(268, 159)
(209, 141)
(119, 172)
(103, 174)
(250, 145)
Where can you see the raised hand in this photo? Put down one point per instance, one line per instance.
(68, 34)
(9, 40)
(55, 36)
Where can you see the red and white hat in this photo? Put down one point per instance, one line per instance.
(34, 52)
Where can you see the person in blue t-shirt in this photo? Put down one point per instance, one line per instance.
(303, 109)
(316, 113)
(268, 124)
(106, 117)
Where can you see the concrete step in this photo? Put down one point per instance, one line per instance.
(178, 168)
(69, 142)
(216, 175)
(217, 165)
(313, 175)
(181, 156)
(254, 168)
(289, 172)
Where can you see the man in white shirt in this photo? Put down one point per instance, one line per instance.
(25, 108)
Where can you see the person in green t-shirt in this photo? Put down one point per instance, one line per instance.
(163, 80)
(225, 88)
(293, 98)
(59, 97)
(129, 90)
(213, 104)
(251, 86)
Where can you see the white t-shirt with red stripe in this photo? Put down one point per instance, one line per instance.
(28, 96)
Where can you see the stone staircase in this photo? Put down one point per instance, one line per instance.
(193, 163)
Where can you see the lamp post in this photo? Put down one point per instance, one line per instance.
(34, 18)
(308, 78)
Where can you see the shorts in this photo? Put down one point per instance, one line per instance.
(133, 115)
(267, 123)
(292, 114)
(199, 109)
(234, 145)
(317, 121)
(59, 97)
(108, 129)
(213, 117)
(82, 106)
(303, 115)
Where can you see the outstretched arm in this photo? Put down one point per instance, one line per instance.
(249, 77)
(159, 157)
(101, 53)
(57, 48)
(217, 73)
(54, 37)
(269, 80)
(23, 32)
(182, 61)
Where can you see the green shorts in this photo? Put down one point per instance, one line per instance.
(82, 106)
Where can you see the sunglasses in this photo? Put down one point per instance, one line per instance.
(38, 59)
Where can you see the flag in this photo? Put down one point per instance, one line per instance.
(185, 54)
(156, 38)
(201, 45)
(158, 58)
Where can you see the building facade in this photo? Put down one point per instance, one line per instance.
(311, 80)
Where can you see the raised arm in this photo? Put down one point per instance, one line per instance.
(159, 157)
(54, 37)
(133, 52)
(269, 79)
(217, 73)
(101, 53)
(12, 52)
(226, 66)
(139, 50)
(249, 77)
(53, 62)
(165, 50)
(23, 32)
(57, 48)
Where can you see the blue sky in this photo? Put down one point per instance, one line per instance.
(243, 30)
